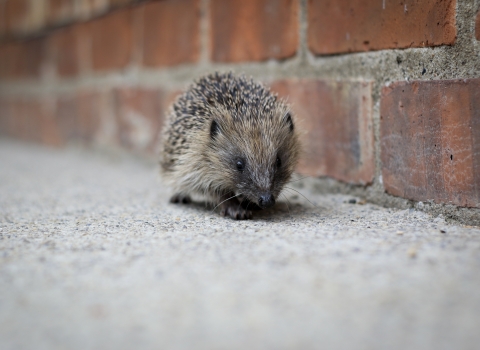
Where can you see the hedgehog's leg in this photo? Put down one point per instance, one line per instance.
(233, 208)
(179, 198)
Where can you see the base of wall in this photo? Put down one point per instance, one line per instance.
(376, 194)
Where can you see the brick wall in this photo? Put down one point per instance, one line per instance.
(387, 91)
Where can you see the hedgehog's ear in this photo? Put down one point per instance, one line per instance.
(287, 119)
(214, 129)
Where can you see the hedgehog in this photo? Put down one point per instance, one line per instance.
(231, 140)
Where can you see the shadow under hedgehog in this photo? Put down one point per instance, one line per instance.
(231, 140)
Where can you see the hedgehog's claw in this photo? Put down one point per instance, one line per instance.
(233, 209)
(180, 199)
(238, 213)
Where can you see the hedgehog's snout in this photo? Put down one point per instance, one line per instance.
(266, 200)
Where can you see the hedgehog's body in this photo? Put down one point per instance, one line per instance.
(228, 136)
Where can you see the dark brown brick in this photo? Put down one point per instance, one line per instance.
(171, 32)
(336, 118)
(140, 117)
(112, 40)
(430, 141)
(253, 30)
(477, 26)
(337, 26)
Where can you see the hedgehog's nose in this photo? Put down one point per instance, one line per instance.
(266, 201)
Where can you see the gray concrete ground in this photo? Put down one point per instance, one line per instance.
(92, 256)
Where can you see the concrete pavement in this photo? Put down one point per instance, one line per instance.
(92, 256)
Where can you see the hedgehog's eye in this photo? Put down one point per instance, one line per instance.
(240, 165)
(278, 162)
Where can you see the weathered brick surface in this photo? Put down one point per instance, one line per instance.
(90, 110)
(88, 9)
(337, 26)
(22, 60)
(64, 50)
(97, 112)
(16, 15)
(25, 17)
(430, 141)
(8, 60)
(4, 116)
(477, 26)
(140, 114)
(253, 30)
(112, 40)
(66, 118)
(171, 97)
(60, 11)
(28, 119)
(87, 117)
(115, 3)
(171, 32)
(80, 117)
(25, 118)
(3, 19)
(336, 118)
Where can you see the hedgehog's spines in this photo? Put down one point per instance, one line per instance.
(199, 156)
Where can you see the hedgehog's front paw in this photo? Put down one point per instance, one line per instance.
(235, 211)
(180, 198)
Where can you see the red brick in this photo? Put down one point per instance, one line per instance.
(171, 32)
(16, 15)
(4, 116)
(28, 118)
(171, 97)
(430, 141)
(78, 116)
(60, 11)
(337, 26)
(477, 26)
(88, 9)
(253, 30)
(9, 54)
(89, 109)
(24, 119)
(117, 3)
(56, 121)
(21, 60)
(66, 117)
(3, 19)
(336, 119)
(112, 40)
(140, 117)
(64, 49)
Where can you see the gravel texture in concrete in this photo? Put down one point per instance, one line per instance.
(92, 256)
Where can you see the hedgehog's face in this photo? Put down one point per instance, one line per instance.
(258, 156)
